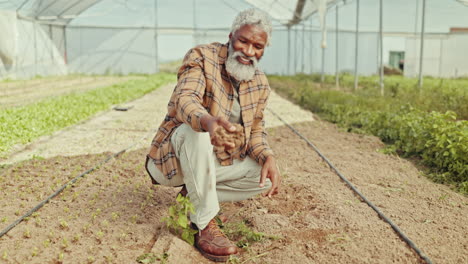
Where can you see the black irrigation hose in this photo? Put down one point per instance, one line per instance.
(37, 207)
(350, 185)
(57, 192)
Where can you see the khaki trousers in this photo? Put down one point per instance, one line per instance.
(207, 182)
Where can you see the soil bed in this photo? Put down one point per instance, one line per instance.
(20, 93)
(113, 215)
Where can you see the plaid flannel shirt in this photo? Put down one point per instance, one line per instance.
(204, 87)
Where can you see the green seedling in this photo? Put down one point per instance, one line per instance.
(105, 223)
(134, 219)
(35, 252)
(90, 259)
(27, 233)
(31, 121)
(122, 236)
(115, 216)
(76, 238)
(46, 243)
(65, 243)
(149, 258)
(5, 255)
(61, 255)
(38, 221)
(75, 196)
(99, 235)
(63, 224)
(86, 227)
(244, 235)
(51, 235)
(178, 222)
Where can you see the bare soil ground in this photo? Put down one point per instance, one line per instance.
(113, 215)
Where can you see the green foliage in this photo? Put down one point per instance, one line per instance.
(148, 258)
(401, 119)
(20, 125)
(178, 222)
(439, 95)
(244, 236)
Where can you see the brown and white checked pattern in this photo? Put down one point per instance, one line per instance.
(203, 87)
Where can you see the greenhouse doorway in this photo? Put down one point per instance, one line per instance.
(397, 60)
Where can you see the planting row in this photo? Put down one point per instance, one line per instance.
(20, 125)
(440, 140)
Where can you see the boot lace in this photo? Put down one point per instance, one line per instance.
(214, 229)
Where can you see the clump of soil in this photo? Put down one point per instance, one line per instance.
(224, 136)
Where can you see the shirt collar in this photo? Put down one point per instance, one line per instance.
(223, 53)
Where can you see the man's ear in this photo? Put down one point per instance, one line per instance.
(230, 35)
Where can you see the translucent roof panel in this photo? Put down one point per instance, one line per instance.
(56, 11)
(440, 16)
(188, 14)
(287, 11)
(59, 9)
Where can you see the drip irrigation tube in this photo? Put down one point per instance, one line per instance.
(356, 191)
(350, 185)
(59, 190)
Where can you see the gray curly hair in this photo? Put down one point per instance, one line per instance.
(255, 17)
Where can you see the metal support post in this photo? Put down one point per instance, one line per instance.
(356, 48)
(381, 49)
(337, 68)
(303, 47)
(421, 52)
(311, 46)
(156, 55)
(295, 52)
(288, 71)
(322, 75)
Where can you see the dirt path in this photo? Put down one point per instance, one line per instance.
(113, 214)
(116, 130)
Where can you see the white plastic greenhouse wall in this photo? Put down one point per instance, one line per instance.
(55, 37)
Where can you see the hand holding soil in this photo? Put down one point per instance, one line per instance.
(226, 138)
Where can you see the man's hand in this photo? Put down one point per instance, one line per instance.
(269, 170)
(211, 123)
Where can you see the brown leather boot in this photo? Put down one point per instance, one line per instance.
(183, 191)
(213, 243)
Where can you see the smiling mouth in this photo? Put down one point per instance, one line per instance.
(243, 60)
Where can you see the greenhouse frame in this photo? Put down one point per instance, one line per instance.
(359, 37)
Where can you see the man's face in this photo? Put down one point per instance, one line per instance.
(246, 48)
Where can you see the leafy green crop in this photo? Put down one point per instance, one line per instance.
(21, 125)
(439, 95)
(149, 258)
(245, 236)
(438, 138)
(177, 220)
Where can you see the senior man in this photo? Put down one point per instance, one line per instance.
(218, 85)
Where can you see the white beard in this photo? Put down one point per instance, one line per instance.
(239, 71)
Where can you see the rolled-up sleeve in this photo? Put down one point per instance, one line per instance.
(258, 147)
(190, 89)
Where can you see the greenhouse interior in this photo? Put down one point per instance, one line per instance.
(356, 115)
(53, 37)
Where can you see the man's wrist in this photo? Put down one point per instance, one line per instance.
(205, 122)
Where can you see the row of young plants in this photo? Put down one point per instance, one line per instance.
(437, 94)
(21, 125)
(438, 138)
